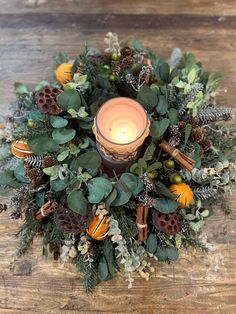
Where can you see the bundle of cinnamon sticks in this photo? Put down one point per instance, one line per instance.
(183, 160)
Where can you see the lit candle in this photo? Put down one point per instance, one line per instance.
(120, 127)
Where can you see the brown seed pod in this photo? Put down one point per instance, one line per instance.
(46, 100)
(71, 222)
(167, 223)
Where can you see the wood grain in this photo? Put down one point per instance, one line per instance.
(31, 32)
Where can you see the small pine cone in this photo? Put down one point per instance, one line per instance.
(198, 134)
(46, 100)
(48, 161)
(36, 176)
(190, 148)
(194, 122)
(116, 67)
(181, 126)
(3, 208)
(127, 51)
(205, 144)
(127, 62)
(175, 135)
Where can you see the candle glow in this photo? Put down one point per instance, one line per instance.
(121, 126)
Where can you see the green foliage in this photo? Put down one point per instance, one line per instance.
(158, 128)
(147, 97)
(58, 122)
(165, 205)
(89, 160)
(69, 99)
(77, 202)
(99, 188)
(62, 136)
(42, 144)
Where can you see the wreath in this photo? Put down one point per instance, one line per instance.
(121, 222)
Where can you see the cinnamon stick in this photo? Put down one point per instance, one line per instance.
(142, 215)
(183, 160)
(46, 209)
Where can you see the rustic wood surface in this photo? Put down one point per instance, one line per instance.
(31, 32)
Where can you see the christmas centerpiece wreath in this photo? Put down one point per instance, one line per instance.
(118, 162)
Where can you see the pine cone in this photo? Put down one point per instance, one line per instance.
(205, 144)
(190, 148)
(127, 62)
(46, 100)
(175, 135)
(71, 222)
(16, 214)
(198, 134)
(127, 52)
(167, 223)
(182, 126)
(36, 176)
(116, 67)
(194, 122)
(48, 161)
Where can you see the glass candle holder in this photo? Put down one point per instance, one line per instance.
(120, 127)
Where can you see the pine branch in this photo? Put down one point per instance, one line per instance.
(171, 95)
(205, 192)
(211, 114)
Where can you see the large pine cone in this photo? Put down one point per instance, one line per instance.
(46, 100)
(35, 175)
(71, 222)
(127, 51)
(198, 134)
(167, 223)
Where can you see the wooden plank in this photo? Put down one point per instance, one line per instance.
(115, 21)
(203, 7)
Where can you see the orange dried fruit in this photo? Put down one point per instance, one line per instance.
(20, 149)
(98, 229)
(184, 192)
(64, 73)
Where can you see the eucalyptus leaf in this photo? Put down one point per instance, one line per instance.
(69, 99)
(99, 188)
(77, 202)
(165, 205)
(163, 190)
(40, 198)
(102, 269)
(88, 160)
(111, 197)
(173, 116)
(123, 194)
(151, 243)
(149, 152)
(147, 97)
(63, 155)
(58, 122)
(42, 144)
(161, 254)
(59, 185)
(156, 165)
(41, 85)
(188, 130)
(162, 106)
(62, 136)
(158, 128)
(19, 173)
(132, 182)
(164, 72)
(172, 253)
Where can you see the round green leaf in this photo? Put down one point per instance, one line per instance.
(161, 254)
(62, 136)
(102, 269)
(172, 253)
(89, 160)
(158, 128)
(58, 122)
(42, 144)
(77, 202)
(69, 99)
(99, 188)
(152, 243)
(165, 205)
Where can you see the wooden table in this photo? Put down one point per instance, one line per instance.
(31, 32)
